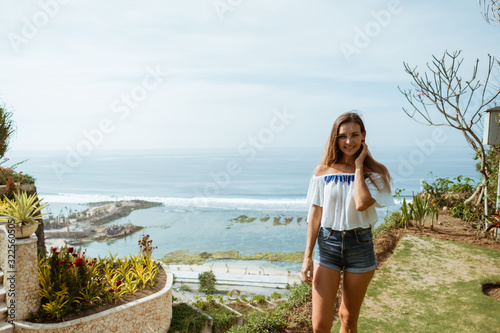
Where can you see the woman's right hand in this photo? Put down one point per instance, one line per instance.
(307, 271)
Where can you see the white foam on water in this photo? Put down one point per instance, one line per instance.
(287, 204)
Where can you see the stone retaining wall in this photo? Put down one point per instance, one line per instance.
(149, 314)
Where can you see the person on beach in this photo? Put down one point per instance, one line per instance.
(343, 192)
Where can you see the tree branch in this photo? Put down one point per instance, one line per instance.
(447, 95)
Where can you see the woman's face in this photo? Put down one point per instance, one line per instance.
(349, 138)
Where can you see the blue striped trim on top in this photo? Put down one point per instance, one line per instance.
(342, 178)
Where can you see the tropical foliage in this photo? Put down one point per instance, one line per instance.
(71, 282)
(23, 209)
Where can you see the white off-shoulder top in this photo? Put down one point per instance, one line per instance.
(334, 192)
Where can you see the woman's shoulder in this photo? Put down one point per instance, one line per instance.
(321, 170)
(325, 170)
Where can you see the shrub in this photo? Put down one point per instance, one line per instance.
(462, 187)
(258, 323)
(185, 319)
(7, 173)
(185, 288)
(6, 130)
(446, 192)
(207, 282)
(69, 281)
(394, 220)
(299, 295)
(258, 299)
(276, 295)
(468, 212)
(277, 321)
(63, 275)
(419, 210)
(437, 189)
(223, 317)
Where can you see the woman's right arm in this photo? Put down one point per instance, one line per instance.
(314, 221)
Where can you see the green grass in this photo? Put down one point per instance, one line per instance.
(433, 285)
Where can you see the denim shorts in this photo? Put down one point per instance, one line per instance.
(348, 250)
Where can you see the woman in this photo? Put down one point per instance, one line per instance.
(346, 187)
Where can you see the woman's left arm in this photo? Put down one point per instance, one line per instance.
(362, 197)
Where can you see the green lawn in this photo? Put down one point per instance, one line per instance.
(433, 285)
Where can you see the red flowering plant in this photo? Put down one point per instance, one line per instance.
(71, 282)
(67, 271)
(65, 284)
(18, 177)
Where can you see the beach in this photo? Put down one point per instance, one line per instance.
(245, 279)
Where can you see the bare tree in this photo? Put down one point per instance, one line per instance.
(490, 10)
(441, 97)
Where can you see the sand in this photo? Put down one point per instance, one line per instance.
(244, 274)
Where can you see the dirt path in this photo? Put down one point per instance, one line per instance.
(448, 228)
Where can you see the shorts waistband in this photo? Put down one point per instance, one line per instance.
(346, 232)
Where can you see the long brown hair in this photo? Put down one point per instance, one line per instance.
(333, 154)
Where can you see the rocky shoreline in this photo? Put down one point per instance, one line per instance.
(87, 226)
(116, 210)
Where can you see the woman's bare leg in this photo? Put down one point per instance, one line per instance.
(324, 292)
(353, 292)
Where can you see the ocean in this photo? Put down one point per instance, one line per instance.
(202, 190)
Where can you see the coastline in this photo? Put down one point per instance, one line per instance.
(248, 280)
(88, 225)
(248, 275)
(107, 211)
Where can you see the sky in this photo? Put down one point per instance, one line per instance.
(93, 75)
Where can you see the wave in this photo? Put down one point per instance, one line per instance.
(288, 204)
